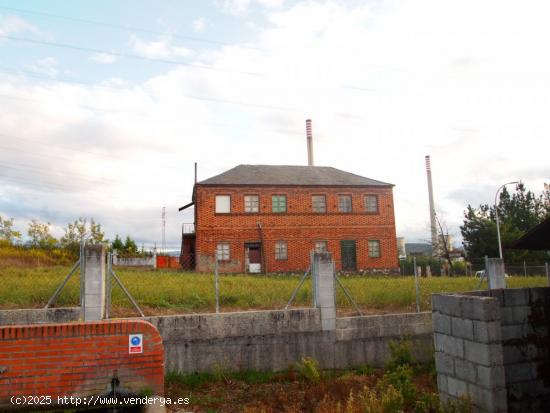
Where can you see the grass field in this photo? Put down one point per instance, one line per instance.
(169, 292)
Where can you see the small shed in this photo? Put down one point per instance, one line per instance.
(537, 238)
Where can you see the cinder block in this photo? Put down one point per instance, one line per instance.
(444, 363)
(516, 297)
(513, 331)
(465, 370)
(520, 314)
(487, 331)
(462, 327)
(441, 323)
(484, 354)
(453, 346)
(457, 387)
(442, 384)
(490, 377)
(539, 296)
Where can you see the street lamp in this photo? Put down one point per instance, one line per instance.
(496, 213)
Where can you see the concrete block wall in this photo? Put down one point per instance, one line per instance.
(525, 323)
(468, 353)
(39, 315)
(501, 335)
(272, 340)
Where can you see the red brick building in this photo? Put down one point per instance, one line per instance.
(267, 218)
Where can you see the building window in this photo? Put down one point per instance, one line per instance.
(374, 249)
(281, 251)
(251, 203)
(321, 246)
(223, 204)
(222, 251)
(344, 203)
(278, 203)
(371, 203)
(319, 203)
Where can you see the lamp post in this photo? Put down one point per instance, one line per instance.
(496, 214)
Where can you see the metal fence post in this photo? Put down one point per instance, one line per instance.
(217, 291)
(416, 286)
(547, 273)
(524, 269)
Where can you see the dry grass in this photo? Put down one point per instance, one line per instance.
(170, 292)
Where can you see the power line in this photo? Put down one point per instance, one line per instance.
(88, 83)
(129, 28)
(125, 55)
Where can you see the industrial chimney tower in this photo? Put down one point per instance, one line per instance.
(309, 143)
(433, 228)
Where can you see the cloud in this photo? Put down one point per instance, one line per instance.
(385, 84)
(198, 25)
(10, 24)
(237, 7)
(159, 49)
(46, 66)
(103, 58)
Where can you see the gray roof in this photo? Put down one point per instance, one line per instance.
(290, 175)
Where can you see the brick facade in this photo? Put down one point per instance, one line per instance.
(78, 359)
(299, 226)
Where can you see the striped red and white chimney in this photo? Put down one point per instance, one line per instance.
(309, 136)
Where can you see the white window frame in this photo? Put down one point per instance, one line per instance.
(344, 204)
(374, 252)
(319, 207)
(223, 204)
(223, 251)
(281, 250)
(251, 206)
(369, 205)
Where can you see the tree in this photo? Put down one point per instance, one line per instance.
(7, 233)
(130, 245)
(117, 244)
(80, 230)
(443, 244)
(40, 235)
(518, 213)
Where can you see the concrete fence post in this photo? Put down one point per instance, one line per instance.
(494, 268)
(93, 307)
(323, 278)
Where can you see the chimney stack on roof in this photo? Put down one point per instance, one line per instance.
(309, 143)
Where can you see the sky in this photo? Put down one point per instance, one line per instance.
(105, 106)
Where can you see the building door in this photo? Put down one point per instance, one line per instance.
(253, 257)
(349, 258)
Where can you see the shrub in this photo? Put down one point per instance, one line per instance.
(308, 368)
(400, 354)
(401, 380)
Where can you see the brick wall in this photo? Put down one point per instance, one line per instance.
(78, 359)
(299, 226)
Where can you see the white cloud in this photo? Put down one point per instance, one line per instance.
(159, 49)
(198, 25)
(10, 24)
(46, 66)
(385, 85)
(103, 58)
(237, 7)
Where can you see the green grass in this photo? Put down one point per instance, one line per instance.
(178, 292)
